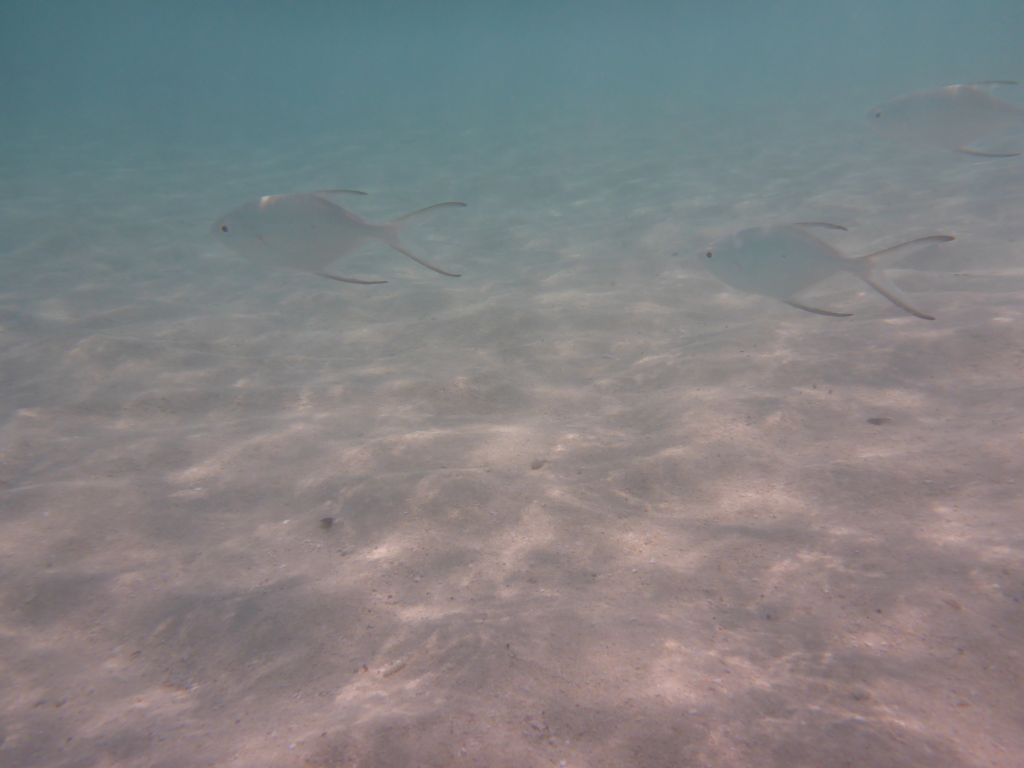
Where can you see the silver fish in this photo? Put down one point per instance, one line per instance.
(955, 117)
(308, 232)
(782, 261)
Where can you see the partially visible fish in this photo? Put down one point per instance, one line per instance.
(956, 117)
(782, 261)
(308, 232)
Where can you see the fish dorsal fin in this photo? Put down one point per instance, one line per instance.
(820, 225)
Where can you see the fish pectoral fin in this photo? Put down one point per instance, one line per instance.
(992, 83)
(821, 224)
(982, 153)
(357, 281)
(815, 310)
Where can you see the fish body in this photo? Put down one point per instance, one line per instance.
(308, 232)
(955, 117)
(776, 261)
(782, 261)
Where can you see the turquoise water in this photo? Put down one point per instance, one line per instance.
(585, 505)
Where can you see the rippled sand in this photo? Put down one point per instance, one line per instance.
(584, 506)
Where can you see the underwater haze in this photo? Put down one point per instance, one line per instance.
(657, 452)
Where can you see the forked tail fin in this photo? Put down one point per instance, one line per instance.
(428, 209)
(983, 153)
(873, 275)
(389, 234)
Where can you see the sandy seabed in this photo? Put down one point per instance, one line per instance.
(588, 506)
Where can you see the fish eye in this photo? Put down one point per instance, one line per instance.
(708, 254)
(223, 227)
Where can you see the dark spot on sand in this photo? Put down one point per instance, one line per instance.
(538, 463)
(879, 420)
(326, 523)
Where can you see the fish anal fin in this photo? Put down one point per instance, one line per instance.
(354, 280)
(820, 224)
(982, 153)
(815, 310)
